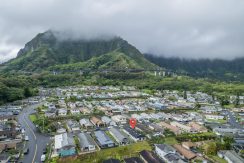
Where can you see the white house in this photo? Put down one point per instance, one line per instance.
(214, 116)
(75, 111)
(119, 119)
(62, 112)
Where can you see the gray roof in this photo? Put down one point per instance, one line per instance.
(106, 119)
(116, 132)
(233, 156)
(103, 138)
(85, 140)
(67, 140)
(166, 148)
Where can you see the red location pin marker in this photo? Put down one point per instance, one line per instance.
(132, 123)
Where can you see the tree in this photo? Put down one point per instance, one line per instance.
(185, 95)
(210, 148)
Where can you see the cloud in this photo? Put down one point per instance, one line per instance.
(183, 28)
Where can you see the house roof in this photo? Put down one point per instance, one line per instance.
(96, 120)
(116, 132)
(189, 144)
(85, 122)
(185, 152)
(85, 140)
(233, 156)
(112, 160)
(133, 132)
(133, 160)
(165, 147)
(149, 157)
(63, 140)
(172, 157)
(102, 138)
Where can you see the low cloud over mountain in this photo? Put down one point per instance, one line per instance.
(182, 28)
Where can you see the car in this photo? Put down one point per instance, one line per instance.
(43, 158)
(26, 138)
(44, 150)
(26, 151)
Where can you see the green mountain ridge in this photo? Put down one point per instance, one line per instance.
(46, 51)
(113, 60)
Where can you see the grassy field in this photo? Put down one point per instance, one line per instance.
(170, 140)
(117, 152)
(217, 121)
(32, 117)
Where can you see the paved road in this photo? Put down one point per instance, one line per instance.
(232, 121)
(37, 141)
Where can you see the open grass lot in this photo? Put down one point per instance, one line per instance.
(170, 140)
(117, 152)
(217, 121)
(32, 117)
(217, 159)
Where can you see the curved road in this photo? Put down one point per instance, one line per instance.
(37, 141)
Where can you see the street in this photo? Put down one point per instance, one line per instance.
(232, 121)
(37, 141)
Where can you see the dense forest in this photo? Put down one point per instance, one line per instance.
(218, 69)
(15, 87)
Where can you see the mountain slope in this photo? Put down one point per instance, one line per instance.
(47, 50)
(221, 69)
(113, 60)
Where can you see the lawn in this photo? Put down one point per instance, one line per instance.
(217, 121)
(218, 159)
(33, 117)
(170, 140)
(117, 152)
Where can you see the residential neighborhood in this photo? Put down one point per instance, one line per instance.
(91, 119)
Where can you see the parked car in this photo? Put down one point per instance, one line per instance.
(44, 150)
(26, 138)
(43, 158)
(26, 151)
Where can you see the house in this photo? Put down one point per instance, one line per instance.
(86, 142)
(174, 129)
(156, 128)
(111, 160)
(163, 149)
(133, 160)
(107, 121)
(136, 136)
(188, 145)
(214, 116)
(4, 158)
(9, 144)
(73, 125)
(187, 154)
(8, 131)
(86, 123)
(197, 127)
(74, 111)
(103, 139)
(226, 130)
(182, 127)
(62, 112)
(96, 121)
(149, 157)
(230, 156)
(173, 158)
(119, 119)
(118, 135)
(64, 145)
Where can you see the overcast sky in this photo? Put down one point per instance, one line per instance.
(183, 28)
